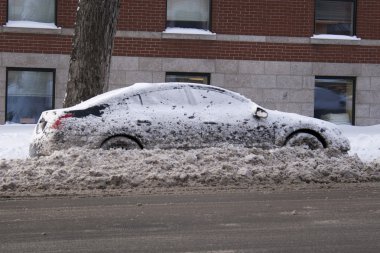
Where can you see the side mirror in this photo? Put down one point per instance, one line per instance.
(261, 113)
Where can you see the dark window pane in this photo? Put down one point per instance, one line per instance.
(28, 94)
(188, 14)
(334, 17)
(188, 78)
(334, 100)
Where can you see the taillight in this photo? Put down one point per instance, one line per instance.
(58, 122)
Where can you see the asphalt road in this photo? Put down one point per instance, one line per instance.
(345, 220)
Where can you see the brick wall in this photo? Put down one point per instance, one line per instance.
(245, 17)
(57, 44)
(142, 15)
(66, 12)
(246, 50)
(368, 19)
(3, 12)
(264, 17)
(34, 43)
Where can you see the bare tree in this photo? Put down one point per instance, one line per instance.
(90, 61)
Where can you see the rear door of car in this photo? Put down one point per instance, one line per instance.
(166, 119)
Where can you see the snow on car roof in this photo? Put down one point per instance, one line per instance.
(139, 88)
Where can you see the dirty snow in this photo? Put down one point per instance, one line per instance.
(79, 170)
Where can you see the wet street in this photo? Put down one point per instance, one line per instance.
(340, 220)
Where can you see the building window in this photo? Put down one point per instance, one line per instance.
(335, 17)
(334, 99)
(188, 14)
(203, 78)
(29, 92)
(41, 11)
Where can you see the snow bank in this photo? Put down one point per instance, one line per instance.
(81, 170)
(365, 141)
(14, 141)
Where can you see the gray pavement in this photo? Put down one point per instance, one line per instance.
(340, 220)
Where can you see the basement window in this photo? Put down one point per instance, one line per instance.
(29, 93)
(188, 14)
(202, 78)
(335, 17)
(334, 99)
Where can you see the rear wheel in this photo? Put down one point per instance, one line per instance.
(120, 142)
(304, 140)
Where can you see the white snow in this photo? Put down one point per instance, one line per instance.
(365, 141)
(187, 31)
(14, 140)
(31, 24)
(334, 37)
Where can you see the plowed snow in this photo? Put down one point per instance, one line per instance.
(82, 170)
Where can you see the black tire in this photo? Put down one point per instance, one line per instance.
(120, 142)
(304, 140)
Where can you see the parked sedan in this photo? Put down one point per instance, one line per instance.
(177, 115)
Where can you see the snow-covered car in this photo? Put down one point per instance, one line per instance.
(177, 115)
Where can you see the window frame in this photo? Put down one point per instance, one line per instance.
(55, 12)
(208, 75)
(351, 78)
(31, 70)
(353, 17)
(209, 17)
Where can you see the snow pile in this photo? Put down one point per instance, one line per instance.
(14, 141)
(365, 141)
(80, 170)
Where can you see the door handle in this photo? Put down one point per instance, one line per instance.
(145, 122)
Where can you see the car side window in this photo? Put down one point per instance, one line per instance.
(208, 97)
(172, 97)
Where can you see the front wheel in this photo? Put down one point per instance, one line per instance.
(304, 140)
(120, 142)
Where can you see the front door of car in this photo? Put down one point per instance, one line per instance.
(228, 119)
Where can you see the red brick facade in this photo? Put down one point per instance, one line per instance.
(292, 18)
(368, 19)
(66, 11)
(263, 17)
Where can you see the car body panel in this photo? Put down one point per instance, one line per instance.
(173, 115)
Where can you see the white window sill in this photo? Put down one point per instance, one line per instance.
(334, 37)
(187, 31)
(31, 24)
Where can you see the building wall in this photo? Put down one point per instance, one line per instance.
(260, 48)
(285, 86)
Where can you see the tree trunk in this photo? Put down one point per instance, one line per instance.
(90, 61)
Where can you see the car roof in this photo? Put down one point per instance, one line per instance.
(139, 88)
